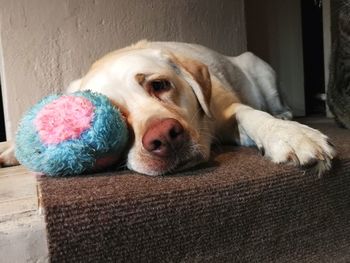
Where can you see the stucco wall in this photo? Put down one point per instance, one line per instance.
(45, 44)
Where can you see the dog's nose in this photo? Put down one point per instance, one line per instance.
(164, 137)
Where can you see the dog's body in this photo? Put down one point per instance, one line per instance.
(180, 98)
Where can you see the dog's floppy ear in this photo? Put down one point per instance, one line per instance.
(198, 77)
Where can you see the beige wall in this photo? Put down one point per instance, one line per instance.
(45, 44)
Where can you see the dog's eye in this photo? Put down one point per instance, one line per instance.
(160, 85)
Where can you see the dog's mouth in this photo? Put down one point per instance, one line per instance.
(186, 158)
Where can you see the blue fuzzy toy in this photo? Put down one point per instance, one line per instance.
(71, 134)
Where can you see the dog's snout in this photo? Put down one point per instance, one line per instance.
(164, 137)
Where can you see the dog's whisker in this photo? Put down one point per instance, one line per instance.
(195, 115)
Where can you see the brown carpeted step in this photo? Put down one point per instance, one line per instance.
(237, 208)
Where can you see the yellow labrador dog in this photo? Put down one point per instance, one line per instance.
(178, 98)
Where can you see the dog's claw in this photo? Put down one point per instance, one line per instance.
(330, 143)
(262, 150)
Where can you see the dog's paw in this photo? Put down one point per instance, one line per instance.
(7, 154)
(292, 142)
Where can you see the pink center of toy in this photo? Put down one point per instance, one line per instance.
(63, 119)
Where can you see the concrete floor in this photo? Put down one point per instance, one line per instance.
(22, 228)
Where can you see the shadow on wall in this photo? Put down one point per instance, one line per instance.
(2, 119)
(274, 33)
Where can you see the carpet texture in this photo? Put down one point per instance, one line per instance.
(237, 208)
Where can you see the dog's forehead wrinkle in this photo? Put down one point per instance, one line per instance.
(175, 68)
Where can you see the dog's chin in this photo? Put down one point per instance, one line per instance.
(149, 165)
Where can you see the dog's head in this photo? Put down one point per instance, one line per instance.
(166, 101)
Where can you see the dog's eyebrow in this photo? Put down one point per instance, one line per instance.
(140, 78)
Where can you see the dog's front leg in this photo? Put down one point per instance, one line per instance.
(282, 141)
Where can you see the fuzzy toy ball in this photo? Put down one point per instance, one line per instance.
(71, 134)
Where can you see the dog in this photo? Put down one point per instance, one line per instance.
(179, 99)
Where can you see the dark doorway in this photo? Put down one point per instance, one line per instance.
(2, 119)
(312, 27)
